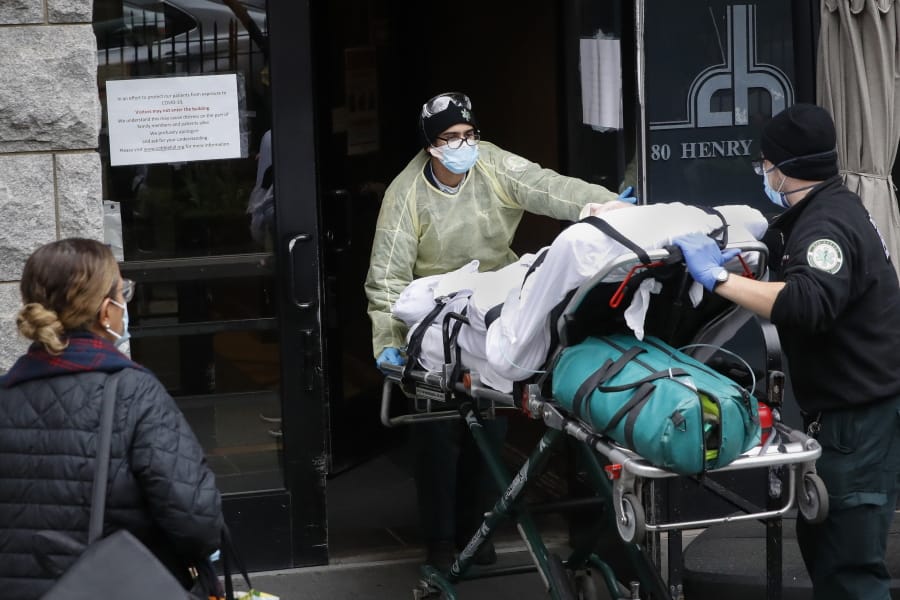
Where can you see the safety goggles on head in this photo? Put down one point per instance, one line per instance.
(439, 103)
(455, 141)
(758, 164)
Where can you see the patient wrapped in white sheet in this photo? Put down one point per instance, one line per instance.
(515, 344)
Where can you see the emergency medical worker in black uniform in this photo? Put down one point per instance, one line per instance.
(835, 301)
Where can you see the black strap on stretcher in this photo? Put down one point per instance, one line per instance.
(449, 337)
(719, 234)
(718, 231)
(491, 315)
(615, 234)
(605, 227)
(414, 347)
(643, 390)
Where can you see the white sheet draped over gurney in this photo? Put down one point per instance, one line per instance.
(516, 344)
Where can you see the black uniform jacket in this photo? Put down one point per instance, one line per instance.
(838, 316)
(160, 488)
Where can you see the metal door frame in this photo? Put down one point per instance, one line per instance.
(298, 261)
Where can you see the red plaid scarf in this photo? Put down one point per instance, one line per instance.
(85, 352)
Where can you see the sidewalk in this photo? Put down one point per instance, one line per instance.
(375, 547)
(394, 579)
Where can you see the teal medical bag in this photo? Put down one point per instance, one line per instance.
(671, 409)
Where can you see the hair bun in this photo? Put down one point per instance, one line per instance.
(40, 324)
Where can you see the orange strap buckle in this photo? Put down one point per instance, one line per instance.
(617, 298)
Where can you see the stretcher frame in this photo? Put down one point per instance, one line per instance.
(438, 396)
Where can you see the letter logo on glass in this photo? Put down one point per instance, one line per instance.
(737, 75)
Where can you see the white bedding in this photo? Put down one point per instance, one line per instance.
(516, 344)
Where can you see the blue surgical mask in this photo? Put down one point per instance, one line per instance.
(458, 160)
(776, 197)
(125, 335)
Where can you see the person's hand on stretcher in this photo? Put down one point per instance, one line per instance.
(595, 209)
(391, 356)
(704, 260)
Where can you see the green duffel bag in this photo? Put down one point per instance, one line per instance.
(674, 411)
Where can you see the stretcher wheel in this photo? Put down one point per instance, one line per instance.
(631, 524)
(813, 499)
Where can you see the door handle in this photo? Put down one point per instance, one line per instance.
(292, 246)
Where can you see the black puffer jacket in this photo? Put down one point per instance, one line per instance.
(160, 488)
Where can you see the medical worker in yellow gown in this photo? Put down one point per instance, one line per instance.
(458, 199)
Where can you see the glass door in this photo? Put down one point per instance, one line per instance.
(210, 311)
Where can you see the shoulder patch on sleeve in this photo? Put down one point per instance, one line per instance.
(825, 255)
(515, 163)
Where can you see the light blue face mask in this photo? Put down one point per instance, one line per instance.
(125, 335)
(459, 160)
(776, 197)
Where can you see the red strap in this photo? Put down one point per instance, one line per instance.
(619, 295)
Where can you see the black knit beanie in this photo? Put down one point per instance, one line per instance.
(434, 125)
(804, 135)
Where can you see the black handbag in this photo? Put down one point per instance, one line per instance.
(118, 566)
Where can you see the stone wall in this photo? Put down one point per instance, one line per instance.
(50, 178)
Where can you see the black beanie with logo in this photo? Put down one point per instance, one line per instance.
(435, 125)
(804, 135)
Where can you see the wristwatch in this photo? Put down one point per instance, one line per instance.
(721, 276)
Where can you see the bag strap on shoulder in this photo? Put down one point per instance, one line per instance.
(101, 470)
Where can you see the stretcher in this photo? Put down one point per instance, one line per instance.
(618, 477)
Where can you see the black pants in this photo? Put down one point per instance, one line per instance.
(860, 465)
(453, 483)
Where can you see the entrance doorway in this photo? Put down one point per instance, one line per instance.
(376, 63)
(215, 313)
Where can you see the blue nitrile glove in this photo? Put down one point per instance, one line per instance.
(391, 356)
(628, 195)
(703, 258)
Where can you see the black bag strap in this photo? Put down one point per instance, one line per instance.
(589, 385)
(638, 398)
(101, 470)
(667, 374)
(229, 553)
(621, 362)
(638, 401)
(614, 233)
(607, 371)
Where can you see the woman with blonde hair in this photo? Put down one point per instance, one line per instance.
(160, 488)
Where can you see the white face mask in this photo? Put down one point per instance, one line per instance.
(123, 337)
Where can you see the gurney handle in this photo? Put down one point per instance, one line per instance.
(405, 419)
(388, 368)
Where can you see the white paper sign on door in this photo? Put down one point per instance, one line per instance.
(173, 119)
